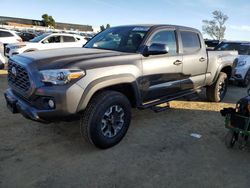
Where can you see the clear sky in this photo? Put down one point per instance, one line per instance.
(120, 12)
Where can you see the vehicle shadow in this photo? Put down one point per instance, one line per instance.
(68, 132)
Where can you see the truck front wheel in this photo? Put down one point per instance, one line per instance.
(106, 119)
(217, 91)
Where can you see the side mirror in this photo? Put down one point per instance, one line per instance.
(156, 49)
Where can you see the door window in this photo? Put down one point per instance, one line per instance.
(166, 37)
(68, 39)
(190, 41)
(53, 39)
(5, 34)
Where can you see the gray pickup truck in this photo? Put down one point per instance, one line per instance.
(138, 66)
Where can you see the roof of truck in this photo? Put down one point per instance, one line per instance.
(159, 25)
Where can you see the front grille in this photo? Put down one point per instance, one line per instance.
(18, 77)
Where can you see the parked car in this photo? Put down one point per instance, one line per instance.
(211, 44)
(45, 42)
(9, 37)
(241, 71)
(122, 67)
(2, 61)
(27, 36)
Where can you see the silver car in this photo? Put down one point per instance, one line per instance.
(241, 71)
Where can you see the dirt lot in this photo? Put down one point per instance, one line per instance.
(157, 151)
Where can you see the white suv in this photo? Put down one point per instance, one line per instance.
(9, 37)
(45, 42)
(241, 71)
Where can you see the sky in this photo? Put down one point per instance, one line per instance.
(122, 12)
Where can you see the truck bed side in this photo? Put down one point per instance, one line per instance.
(217, 60)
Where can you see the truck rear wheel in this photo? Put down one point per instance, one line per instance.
(106, 119)
(217, 91)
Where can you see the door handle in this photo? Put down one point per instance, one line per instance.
(202, 59)
(177, 62)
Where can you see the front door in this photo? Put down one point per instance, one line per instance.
(161, 73)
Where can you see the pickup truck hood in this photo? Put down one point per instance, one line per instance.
(81, 58)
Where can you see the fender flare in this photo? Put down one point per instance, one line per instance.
(222, 66)
(108, 81)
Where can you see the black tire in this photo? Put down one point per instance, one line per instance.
(230, 139)
(108, 112)
(217, 91)
(246, 80)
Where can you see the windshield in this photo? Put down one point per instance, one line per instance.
(123, 39)
(242, 48)
(39, 38)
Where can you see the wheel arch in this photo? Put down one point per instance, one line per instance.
(226, 69)
(125, 84)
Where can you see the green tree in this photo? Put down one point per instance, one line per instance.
(107, 26)
(48, 20)
(215, 28)
(102, 28)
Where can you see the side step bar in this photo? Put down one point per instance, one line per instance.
(164, 100)
(160, 108)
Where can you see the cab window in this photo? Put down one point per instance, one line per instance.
(165, 37)
(190, 42)
(68, 39)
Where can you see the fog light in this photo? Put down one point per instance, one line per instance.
(51, 103)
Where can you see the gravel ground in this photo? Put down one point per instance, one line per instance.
(157, 151)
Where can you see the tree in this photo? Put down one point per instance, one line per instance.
(215, 28)
(48, 20)
(107, 26)
(102, 27)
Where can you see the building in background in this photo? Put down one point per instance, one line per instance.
(22, 22)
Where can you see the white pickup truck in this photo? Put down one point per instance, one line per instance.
(45, 42)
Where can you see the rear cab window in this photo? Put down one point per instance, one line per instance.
(190, 41)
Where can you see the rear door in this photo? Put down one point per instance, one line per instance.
(70, 41)
(194, 60)
(161, 73)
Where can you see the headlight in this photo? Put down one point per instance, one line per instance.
(16, 47)
(241, 63)
(61, 76)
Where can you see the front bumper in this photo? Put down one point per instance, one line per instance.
(239, 74)
(66, 101)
